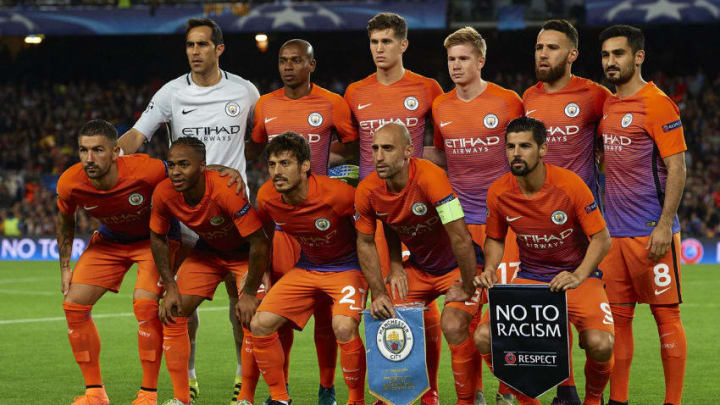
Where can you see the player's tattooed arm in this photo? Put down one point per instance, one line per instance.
(493, 250)
(661, 236)
(234, 176)
(381, 306)
(259, 263)
(171, 304)
(596, 250)
(65, 235)
(462, 247)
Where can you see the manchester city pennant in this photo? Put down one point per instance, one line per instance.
(397, 373)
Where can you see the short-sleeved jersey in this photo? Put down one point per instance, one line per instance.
(638, 132)
(373, 104)
(222, 219)
(571, 116)
(217, 115)
(323, 224)
(552, 226)
(412, 214)
(123, 210)
(313, 116)
(472, 134)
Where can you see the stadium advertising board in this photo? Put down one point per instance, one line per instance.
(313, 16)
(397, 373)
(607, 12)
(37, 248)
(529, 326)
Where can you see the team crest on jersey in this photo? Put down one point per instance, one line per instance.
(136, 199)
(216, 220)
(322, 224)
(394, 339)
(626, 120)
(315, 119)
(411, 103)
(491, 121)
(558, 217)
(232, 109)
(419, 208)
(572, 110)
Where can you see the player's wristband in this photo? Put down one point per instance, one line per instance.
(449, 209)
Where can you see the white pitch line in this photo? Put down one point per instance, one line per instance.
(22, 280)
(98, 316)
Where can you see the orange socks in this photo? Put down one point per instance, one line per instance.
(622, 352)
(270, 358)
(250, 372)
(352, 360)
(463, 367)
(433, 343)
(673, 349)
(85, 342)
(150, 338)
(287, 337)
(176, 345)
(325, 345)
(597, 374)
(570, 382)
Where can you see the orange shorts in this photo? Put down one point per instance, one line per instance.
(632, 277)
(298, 292)
(104, 264)
(202, 271)
(511, 257)
(286, 253)
(425, 287)
(587, 305)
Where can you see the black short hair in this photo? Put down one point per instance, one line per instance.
(634, 36)
(216, 36)
(197, 145)
(303, 44)
(99, 127)
(383, 21)
(565, 27)
(291, 142)
(523, 124)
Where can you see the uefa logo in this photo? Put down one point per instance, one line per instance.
(572, 110)
(395, 339)
(691, 251)
(491, 121)
(411, 103)
(136, 199)
(510, 359)
(419, 209)
(315, 119)
(216, 220)
(232, 109)
(558, 217)
(322, 224)
(626, 120)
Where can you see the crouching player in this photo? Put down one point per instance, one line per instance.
(562, 238)
(231, 240)
(318, 212)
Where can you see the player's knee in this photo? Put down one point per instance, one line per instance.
(454, 326)
(481, 337)
(598, 344)
(665, 313)
(261, 324)
(345, 328)
(145, 309)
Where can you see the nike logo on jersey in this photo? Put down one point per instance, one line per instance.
(184, 111)
(527, 113)
(269, 119)
(604, 116)
(442, 124)
(508, 219)
(361, 106)
(661, 291)
(86, 208)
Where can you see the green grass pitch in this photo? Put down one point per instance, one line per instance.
(37, 367)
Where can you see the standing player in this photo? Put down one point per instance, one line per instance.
(395, 94)
(214, 106)
(318, 212)
(543, 202)
(645, 169)
(570, 107)
(231, 240)
(417, 206)
(116, 191)
(305, 108)
(470, 123)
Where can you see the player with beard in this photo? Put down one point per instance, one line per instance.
(570, 107)
(216, 107)
(645, 176)
(538, 199)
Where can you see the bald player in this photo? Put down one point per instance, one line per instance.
(320, 116)
(417, 206)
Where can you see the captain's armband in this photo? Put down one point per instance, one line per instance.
(449, 209)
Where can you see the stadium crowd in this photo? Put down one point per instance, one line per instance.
(39, 123)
